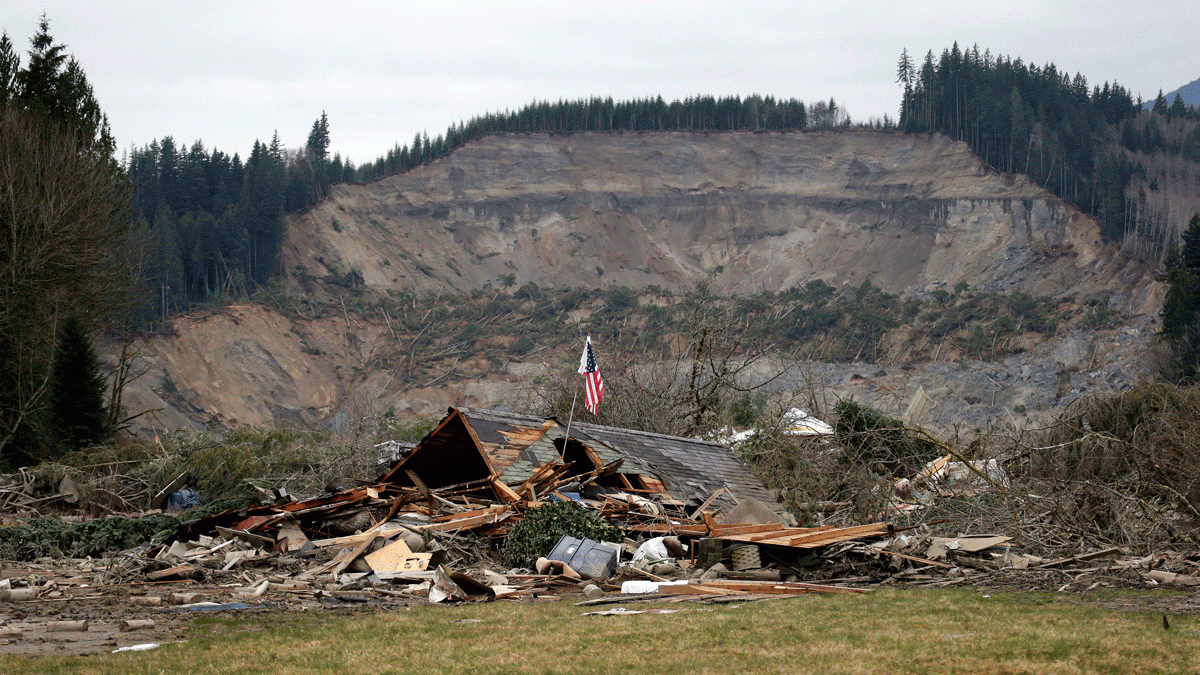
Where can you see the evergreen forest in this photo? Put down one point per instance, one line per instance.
(214, 222)
(1089, 146)
(170, 226)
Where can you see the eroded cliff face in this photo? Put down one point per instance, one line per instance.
(747, 211)
(910, 213)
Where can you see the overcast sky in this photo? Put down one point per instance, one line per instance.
(228, 73)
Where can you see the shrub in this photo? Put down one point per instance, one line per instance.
(541, 528)
(868, 436)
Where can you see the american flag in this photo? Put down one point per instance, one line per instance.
(591, 375)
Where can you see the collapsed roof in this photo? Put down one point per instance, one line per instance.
(510, 454)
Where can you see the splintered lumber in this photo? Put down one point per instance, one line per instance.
(726, 586)
(412, 475)
(799, 537)
(711, 498)
(397, 557)
(178, 572)
(695, 529)
(468, 520)
(504, 492)
(743, 528)
(256, 539)
(355, 539)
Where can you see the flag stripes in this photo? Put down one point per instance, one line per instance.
(593, 383)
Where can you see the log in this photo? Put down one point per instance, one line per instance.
(146, 600)
(136, 624)
(182, 598)
(18, 594)
(66, 626)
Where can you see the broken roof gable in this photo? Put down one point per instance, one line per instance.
(470, 445)
(451, 454)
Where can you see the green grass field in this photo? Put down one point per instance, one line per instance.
(890, 631)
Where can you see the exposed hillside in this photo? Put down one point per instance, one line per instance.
(1190, 93)
(913, 214)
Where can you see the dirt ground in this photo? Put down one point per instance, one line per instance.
(105, 608)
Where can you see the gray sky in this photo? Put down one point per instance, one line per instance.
(228, 73)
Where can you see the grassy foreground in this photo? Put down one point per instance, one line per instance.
(884, 632)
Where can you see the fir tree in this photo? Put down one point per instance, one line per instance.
(1181, 308)
(77, 411)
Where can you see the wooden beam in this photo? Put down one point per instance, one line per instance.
(504, 492)
(711, 498)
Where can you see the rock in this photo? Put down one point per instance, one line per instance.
(666, 570)
(715, 572)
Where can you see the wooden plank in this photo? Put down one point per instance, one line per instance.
(810, 537)
(671, 528)
(466, 514)
(708, 502)
(694, 589)
(1080, 558)
(923, 561)
(495, 514)
(776, 587)
(354, 539)
(504, 492)
(790, 533)
(180, 572)
(845, 534)
(345, 560)
(412, 475)
(724, 530)
(256, 539)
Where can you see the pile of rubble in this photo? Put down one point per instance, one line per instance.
(433, 527)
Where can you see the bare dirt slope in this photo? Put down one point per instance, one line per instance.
(907, 212)
(750, 211)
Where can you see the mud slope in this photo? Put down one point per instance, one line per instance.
(910, 213)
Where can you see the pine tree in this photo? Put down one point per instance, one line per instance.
(64, 228)
(1160, 104)
(1181, 308)
(77, 411)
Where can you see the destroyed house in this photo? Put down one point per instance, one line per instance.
(516, 457)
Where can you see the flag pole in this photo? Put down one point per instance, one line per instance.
(569, 420)
(571, 416)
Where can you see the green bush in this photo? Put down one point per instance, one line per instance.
(41, 537)
(870, 437)
(541, 528)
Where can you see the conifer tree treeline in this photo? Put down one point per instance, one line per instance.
(1181, 308)
(65, 268)
(213, 223)
(1039, 121)
(698, 113)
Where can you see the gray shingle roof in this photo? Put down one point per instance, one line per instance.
(690, 468)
